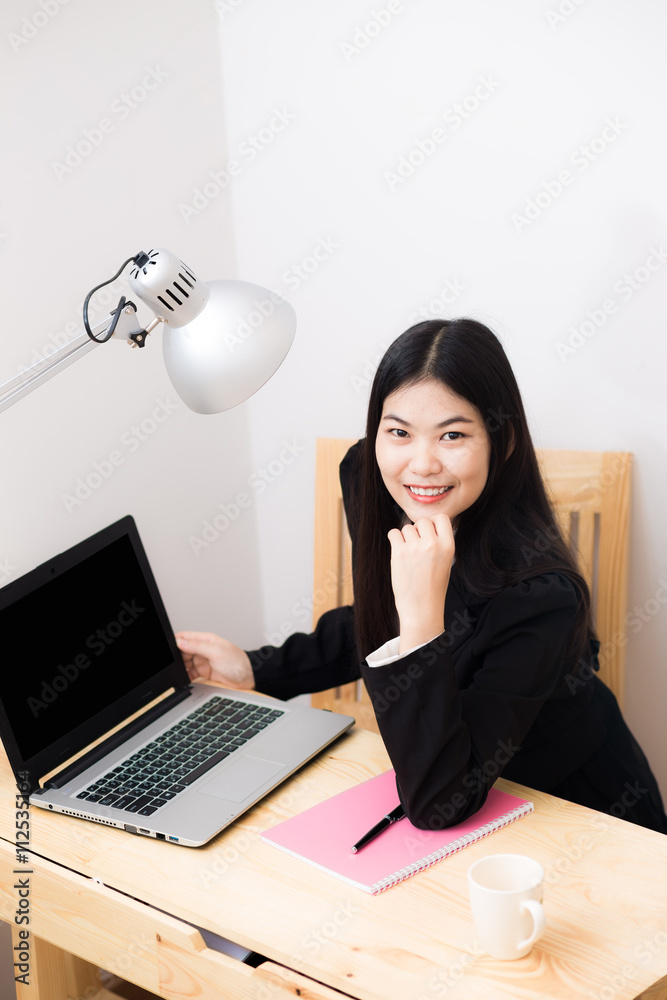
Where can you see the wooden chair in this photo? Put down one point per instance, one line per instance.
(591, 495)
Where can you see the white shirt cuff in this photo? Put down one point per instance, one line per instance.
(388, 653)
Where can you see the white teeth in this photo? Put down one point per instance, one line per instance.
(428, 492)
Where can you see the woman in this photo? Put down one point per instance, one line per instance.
(470, 616)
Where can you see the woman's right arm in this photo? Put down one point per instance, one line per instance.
(304, 663)
(210, 657)
(310, 662)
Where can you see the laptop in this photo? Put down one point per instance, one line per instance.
(90, 646)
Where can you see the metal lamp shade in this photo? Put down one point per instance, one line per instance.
(231, 349)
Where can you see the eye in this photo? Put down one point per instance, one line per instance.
(452, 435)
(399, 432)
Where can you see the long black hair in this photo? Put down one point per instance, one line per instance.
(510, 532)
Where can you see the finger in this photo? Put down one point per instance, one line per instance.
(200, 666)
(196, 636)
(439, 526)
(395, 537)
(424, 527)
(442, 524)
(200, 643)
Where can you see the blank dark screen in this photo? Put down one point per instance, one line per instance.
(77, 644)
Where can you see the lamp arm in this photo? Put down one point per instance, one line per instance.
(126, 327)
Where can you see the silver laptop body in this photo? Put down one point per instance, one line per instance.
(195, 757)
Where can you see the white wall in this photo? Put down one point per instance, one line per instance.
(150, 72)
(316, 122)
(364, 90)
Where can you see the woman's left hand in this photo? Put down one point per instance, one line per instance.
(421, 563)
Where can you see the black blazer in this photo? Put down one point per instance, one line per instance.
(494, 694)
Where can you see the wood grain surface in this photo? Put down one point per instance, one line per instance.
(604, 898)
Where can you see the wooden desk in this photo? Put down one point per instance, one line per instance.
(96, 892)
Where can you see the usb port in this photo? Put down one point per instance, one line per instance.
(175, 839)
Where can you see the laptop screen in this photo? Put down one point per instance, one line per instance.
(86, 633)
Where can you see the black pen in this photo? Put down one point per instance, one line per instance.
(386, 821)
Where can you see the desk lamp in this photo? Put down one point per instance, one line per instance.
(222, 340)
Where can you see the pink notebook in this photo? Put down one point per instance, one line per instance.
(323, 835)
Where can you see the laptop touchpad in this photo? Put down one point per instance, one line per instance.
(243, 779)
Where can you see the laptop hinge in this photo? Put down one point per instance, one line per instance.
(102, 749)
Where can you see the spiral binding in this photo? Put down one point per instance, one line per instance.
(456, 845)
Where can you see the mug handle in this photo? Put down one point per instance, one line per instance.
(536, 910)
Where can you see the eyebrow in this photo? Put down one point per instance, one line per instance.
(443, 423)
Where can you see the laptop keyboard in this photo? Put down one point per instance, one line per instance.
(154, 775)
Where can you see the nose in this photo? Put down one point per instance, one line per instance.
(425, 461)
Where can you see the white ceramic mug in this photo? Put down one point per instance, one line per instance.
(506, 900)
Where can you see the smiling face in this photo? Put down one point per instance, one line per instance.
(433, 450)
